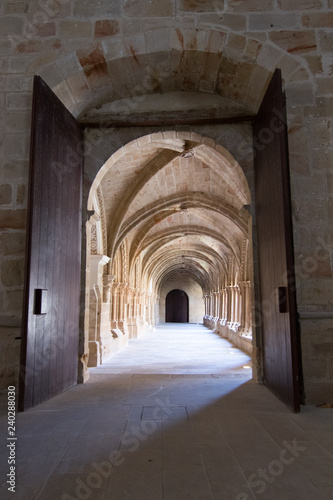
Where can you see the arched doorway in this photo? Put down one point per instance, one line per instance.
(136, 235)
(176, 307)
(166, 233)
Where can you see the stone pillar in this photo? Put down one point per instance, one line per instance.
(141, 318)
(223, 307)
(105, 318)
(130, 313)
(237, 307)
(215, 309)
(152, 309)
(223, 310)
(206, 308)
(216, 304)
(156, 310)
(122, 321)
(229, 305)
(97, 320)
(107, 286)
(220, 315)
(114, 306)
(245, 319)
(135, 325)
(147, 308)
(132, 321)
(234, 306)
(94, 358)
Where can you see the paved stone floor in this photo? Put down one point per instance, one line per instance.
(175, 416)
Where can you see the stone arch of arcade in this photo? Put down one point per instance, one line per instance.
(169, 207)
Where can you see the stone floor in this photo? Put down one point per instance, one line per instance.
(175, 416)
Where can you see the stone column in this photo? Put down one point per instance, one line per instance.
(136, 310)
(130, 315)
(141, 319)
(114, 307)
(107, 286)
(122, 321)
(237, 304)
(217, 305)
(245, 327)
(97, 313)
(229, 305)
(219, 310)
(105, 317)
(222, 305)
(147, 308)
(215, 309)
(206, 307)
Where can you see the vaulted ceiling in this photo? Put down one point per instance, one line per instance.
(178, 200)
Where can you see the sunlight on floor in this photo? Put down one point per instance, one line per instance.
(179, 348)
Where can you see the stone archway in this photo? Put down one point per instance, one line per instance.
(115, 76)
(170, 207)
(233, 70)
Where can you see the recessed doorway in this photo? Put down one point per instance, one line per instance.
(176, 307)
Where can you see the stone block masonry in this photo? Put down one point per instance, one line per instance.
(93, 53)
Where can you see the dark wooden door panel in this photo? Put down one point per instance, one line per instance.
(275, 247)
(49, 355)
(177, 307)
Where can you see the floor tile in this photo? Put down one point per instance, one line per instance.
(174, 416)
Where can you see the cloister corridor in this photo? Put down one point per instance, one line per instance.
(180, 349)
(168, 211)
(173, 416)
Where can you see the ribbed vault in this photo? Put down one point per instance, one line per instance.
(173, 205)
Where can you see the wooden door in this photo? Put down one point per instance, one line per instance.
(176, 307)
(49, 354)
(280, 337)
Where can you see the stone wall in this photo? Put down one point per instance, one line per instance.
(227, 47)
(237, 340)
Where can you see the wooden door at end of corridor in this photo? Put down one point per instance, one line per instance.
(50, 332)
(280, 334)
(176, 307)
